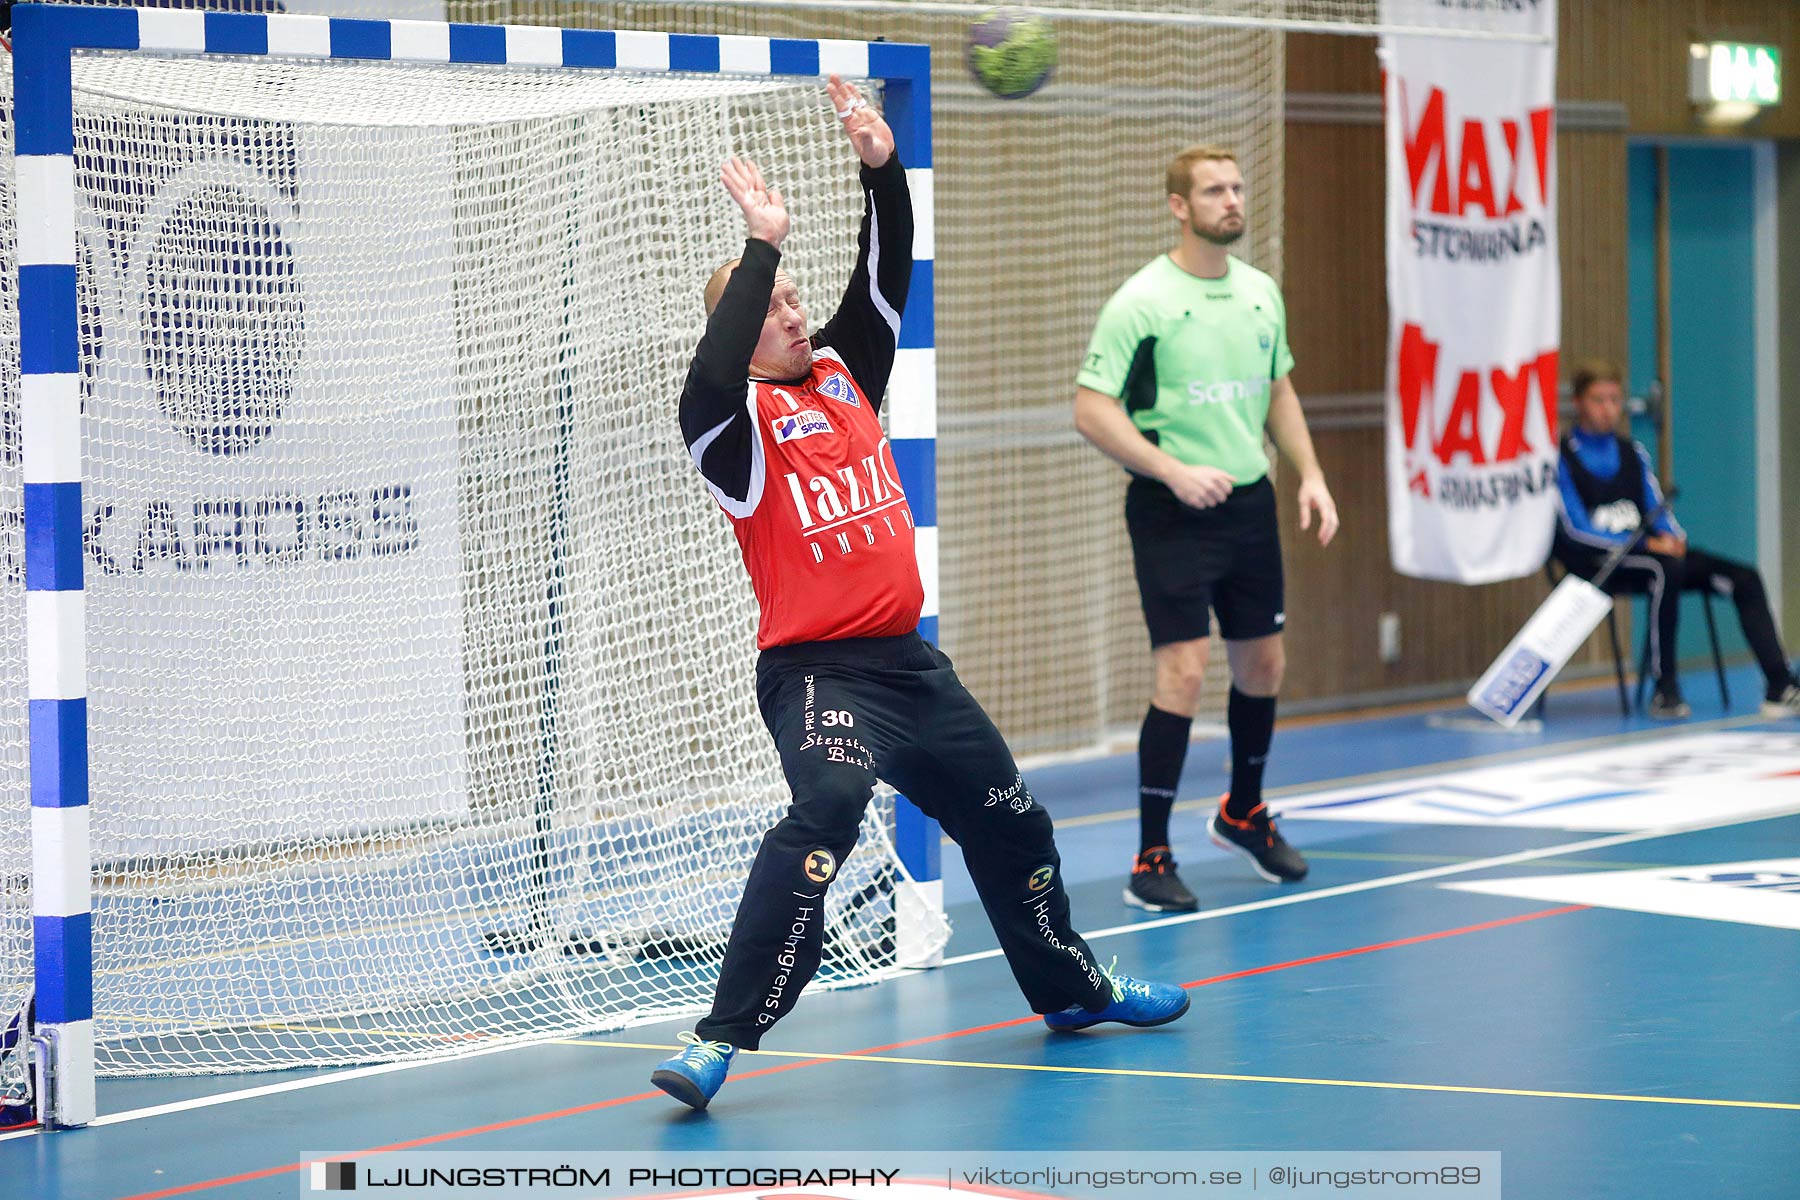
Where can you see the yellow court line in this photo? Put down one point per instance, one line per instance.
(1140, 1074)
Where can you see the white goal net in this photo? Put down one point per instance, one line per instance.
(420, 662)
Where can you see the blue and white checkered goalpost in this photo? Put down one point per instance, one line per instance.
(51, 333)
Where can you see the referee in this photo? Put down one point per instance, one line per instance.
(1187, 367)
(785, 430)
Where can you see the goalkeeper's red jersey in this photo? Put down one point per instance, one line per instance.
(829, 542)
(801, 466)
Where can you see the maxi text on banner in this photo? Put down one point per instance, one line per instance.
(1474, 299)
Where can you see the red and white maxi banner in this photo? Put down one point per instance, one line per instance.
(1474, 296)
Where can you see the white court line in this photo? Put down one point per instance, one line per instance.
(275, 1089)
(1367, 885)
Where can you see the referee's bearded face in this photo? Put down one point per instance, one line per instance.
(782, 351)
(1213, 209)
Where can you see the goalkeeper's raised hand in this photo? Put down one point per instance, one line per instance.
(765, 216)
(869, 133)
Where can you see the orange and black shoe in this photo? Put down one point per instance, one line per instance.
(1256, 838)
(1155, 885)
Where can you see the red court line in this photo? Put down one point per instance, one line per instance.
(1411, 941)
(1282, 966)
(537, 1118)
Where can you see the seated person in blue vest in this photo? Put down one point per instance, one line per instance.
(1607, 491)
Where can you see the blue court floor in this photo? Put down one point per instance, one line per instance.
(1579, 947)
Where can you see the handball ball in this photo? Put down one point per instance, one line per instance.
(1011, 53)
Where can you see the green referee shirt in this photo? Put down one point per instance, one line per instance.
(1192, 360)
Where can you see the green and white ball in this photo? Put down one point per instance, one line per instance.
(1011, 53)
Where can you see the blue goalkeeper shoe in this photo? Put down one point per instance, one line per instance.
(693, 1076)
(1135, 1002)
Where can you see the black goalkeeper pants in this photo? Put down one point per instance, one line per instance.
(843, 715)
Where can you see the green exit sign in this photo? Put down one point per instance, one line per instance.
(1735, 73)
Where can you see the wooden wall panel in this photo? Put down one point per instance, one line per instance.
(1329, 62)
(1636, 51)
(1336, 277)
(1592, 222)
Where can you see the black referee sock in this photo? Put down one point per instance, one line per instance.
(1162, 749)
(1251, 720)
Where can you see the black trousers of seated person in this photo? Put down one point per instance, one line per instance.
(1664, 578)
(843, 715)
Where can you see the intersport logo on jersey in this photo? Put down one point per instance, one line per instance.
(1474, 295)
(799, 425)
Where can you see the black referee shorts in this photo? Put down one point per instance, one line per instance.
(1226, 559)
(843, 715)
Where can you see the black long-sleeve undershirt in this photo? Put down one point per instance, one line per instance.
(715, 410)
